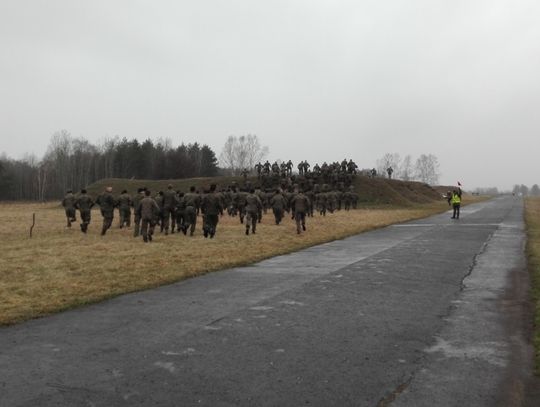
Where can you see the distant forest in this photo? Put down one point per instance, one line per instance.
(74, 163)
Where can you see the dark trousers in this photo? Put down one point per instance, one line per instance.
(456, 211)
(210, 224)
(251, 220)
(85, 217)
(147, 228)
(70, 215)
(108, 217)
(125, 217)
(300, 220)
(278, 214)
(190, 219)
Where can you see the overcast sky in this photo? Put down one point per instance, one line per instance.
(320, 80)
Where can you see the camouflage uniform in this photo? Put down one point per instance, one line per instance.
(300, 205)
(137, 219)
(69, 206)
(253, 208)
(124, 209)
(241, 204)
(170, 201)
(84, 204)
(106, 203)
(211, 209)
(147, 210)
(191, 202)
(278, 204)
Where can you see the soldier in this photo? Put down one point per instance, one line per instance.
(191, 203)
(159, 216)
(84, 204)
(106, 203)
(373, 173)
(253, 208)
(300, 205)
(266, 167)
(147, 211)
(180, 211)
(262, 197)
(124, 209)
(211, 209)
(306, 167)
(135, 203)
(351, 167)
(241, 204)
(258, 168)
(389, 170)
(322, 200)
(69, 206)
(170, 201)
(278, 204)
(245, 174)
(301, 168)
(289, 168)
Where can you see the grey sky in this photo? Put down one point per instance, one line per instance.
(320, 80)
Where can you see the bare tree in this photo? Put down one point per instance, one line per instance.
(406, 170)
(427, 169)
(242, 152)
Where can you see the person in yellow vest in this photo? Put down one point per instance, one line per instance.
(456, 202)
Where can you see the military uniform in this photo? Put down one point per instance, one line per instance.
(137, 218)
(106, 203)
(69, 206)
(191, 203)
(84, 204)
(170, 201)
(253, 208)
(211, 209)
(279, 204)
(147, 210)
(124, 209)
(300, 205)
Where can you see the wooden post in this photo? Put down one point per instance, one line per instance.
(33, 224)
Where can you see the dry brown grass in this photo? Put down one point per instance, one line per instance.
(532, 218)
(60, 268)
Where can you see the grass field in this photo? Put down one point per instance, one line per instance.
(532, 218)
(61, 268)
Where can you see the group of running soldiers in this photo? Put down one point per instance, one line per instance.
(176, 211)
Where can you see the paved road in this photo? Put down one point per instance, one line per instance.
(426, 313)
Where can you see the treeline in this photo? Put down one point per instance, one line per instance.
(74, 163)
(524, 190)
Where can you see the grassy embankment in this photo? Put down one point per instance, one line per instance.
(532, 218)
(61, 268)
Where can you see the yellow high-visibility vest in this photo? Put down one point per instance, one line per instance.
(456, 199)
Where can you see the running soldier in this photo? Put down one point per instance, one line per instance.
(211, 209)
(106, 203)
(147, 210)
(300, 205)
(135, 204)
(84, 204)
(69, 206)
(253, 208)
(191, 202)
(170, 201)
(278, 204)
(124, 209)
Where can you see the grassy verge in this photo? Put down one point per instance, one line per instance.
(532, 218)
(61, 268)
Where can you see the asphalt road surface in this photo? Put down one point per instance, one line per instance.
(426, 313)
